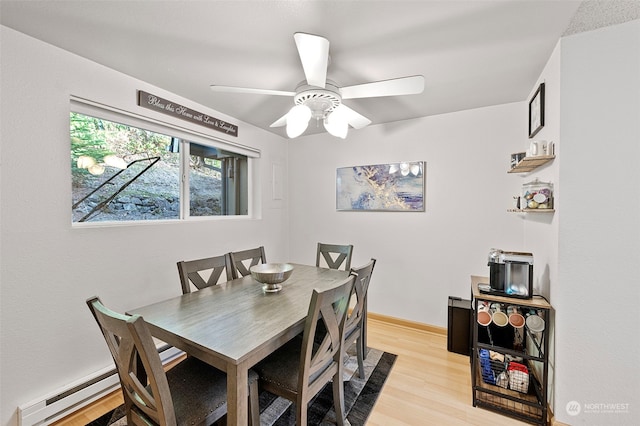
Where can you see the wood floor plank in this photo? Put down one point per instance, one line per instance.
(428, 384)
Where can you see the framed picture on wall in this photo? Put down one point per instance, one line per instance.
(536, 111)
(397, 187)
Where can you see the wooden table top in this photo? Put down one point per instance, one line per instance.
(237, 322)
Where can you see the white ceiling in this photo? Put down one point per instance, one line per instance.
(471, 53)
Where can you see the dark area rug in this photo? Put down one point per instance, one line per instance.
(360, 396)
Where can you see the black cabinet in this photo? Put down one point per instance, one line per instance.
(509, 354)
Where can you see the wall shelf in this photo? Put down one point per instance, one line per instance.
(528, 164)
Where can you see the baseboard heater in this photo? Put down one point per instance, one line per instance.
(79, 394)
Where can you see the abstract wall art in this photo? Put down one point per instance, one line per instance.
(397, 187)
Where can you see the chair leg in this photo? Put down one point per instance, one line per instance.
(301, 411)
(254, 405)
(338, 397)
(363, 343)
(360, 350)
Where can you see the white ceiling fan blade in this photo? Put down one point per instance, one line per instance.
(356, 120)
(314, 55)
(394, 87)
(233, 89)
(282, 121)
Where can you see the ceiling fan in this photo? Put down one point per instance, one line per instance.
(320, 98)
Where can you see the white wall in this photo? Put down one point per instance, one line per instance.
(541, 229)
(597, 295)
(48, 269)
(422, 257)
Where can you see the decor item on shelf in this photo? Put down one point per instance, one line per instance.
(516, 158)
(536, 111)
(551, 148)
(537, 148)
(382, 187)
(517, 199)
(537, 195)
(321, 99)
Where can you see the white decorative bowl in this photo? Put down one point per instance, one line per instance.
(271, 275)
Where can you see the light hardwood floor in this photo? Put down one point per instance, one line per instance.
(427, 386)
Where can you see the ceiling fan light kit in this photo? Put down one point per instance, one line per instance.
(298, 120)
(321, 99)
(321, 104)
(336, 124)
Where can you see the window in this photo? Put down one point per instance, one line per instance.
(121, 172)
(217, 182)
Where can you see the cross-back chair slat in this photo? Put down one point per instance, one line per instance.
(242, 261)
(191, 272)
(335, 256)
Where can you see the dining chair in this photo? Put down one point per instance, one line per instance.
(190, 393)
(355, 327)
(191, 272)
(335, 256)
(300, 369)
(239, 260)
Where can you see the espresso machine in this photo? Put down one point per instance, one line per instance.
(510, 274)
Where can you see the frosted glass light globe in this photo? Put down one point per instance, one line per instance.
(298, 120)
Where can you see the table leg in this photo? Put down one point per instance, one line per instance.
(237, 395)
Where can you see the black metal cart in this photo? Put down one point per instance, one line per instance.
(509, 365)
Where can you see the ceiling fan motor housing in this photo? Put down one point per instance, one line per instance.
(320, 101)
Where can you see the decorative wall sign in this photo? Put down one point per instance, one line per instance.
(156, 103)
(382, 187)
(536, 111)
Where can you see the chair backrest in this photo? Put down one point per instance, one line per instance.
(191, 271)
(318, 363)
(132, 348)
(334, 255)
(360, 287)
(241, 261)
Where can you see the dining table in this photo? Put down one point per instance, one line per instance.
(234, 325)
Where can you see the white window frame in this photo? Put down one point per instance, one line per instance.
(186, 135)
